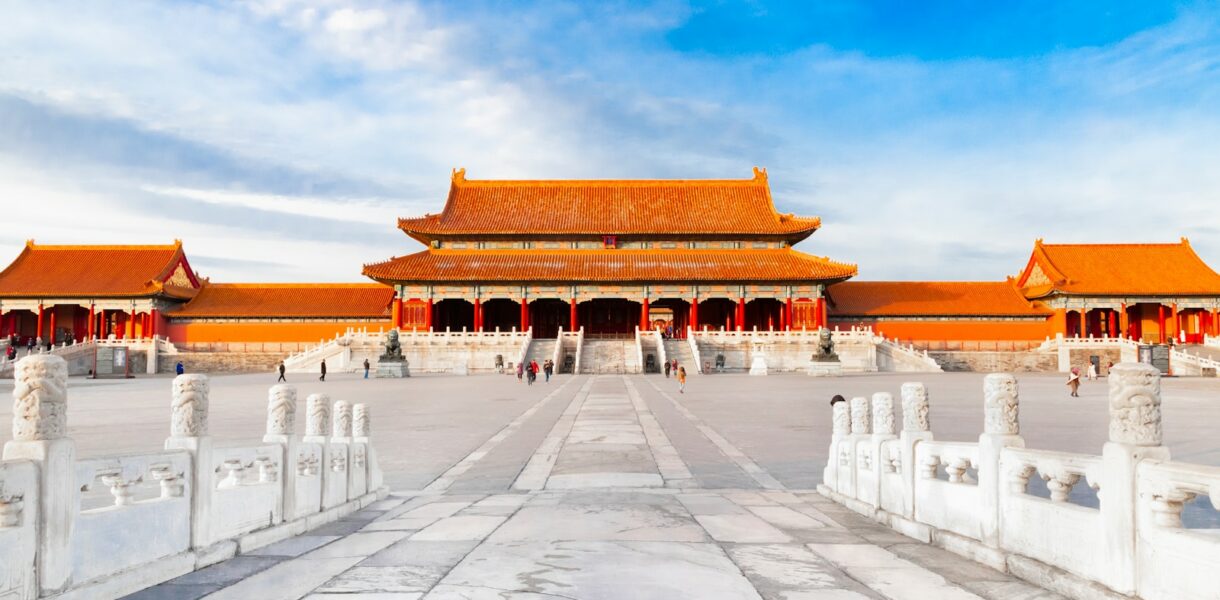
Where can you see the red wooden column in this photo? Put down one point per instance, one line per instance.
(525, 314)
(644, 315)
(741, 314)
(89, 331)
(153, 316)
(101, 324)
(1124, 327)
(573, 322)
(694, 314)
(51, 334)
(131, 324)
(1215, 322)
(1175, 319)
(478, 314)
(428, 314)
(1160, 319)
(788, 313)
(396, 312)
(38, 333)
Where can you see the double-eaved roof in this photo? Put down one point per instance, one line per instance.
(1117, 269)
(626, 265)
(80, 271)
(872, 299)
(668, 207)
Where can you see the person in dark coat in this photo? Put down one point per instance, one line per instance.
(668, 366)
(366, 368)
(281, 373)
(179, 368)
(323, 377)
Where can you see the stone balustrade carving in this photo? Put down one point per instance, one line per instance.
(169, 511)
(861, 417)
(883, 413)
(318, 423)
(1135, 404)
(190, 406)
(281, 410)
(915, 407)
(1132, 543)
(40, 398)
(343, 420)
(841, 417)
(1000, 405)
(360, 420)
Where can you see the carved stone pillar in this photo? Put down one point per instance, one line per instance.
(1135, 435)
(188, 431)
(1001, 429)
(360, 421)
(861, 418)
(40, 422)
(883, 431)
(341, 445)
(361, 430)
(281, 429)
(916, 428)
(839, 438)
(317, 430)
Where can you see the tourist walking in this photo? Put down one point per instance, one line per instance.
(548, 367)
(667, 369)
(179, 368)
(323, 377)
(520, 370)
(282, 369)
(531, 372)
(366, 368)
(1073, 382)
(1092, 372)
(681, 380)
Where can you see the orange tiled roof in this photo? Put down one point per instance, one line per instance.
(609, 266)
(611, 207)
(930, 298)
(98, 271)
(1147, 269)
(302, 300)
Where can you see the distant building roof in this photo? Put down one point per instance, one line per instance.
(624, 265)
(1117, 269)
(288, 300)
(83, 271)
(610, 207)
(930, 299)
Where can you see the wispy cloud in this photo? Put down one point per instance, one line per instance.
(294, 132)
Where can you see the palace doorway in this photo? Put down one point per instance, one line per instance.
(547, 315)
(609, 318)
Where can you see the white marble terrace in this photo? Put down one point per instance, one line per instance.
(975, 498)
(106, 527)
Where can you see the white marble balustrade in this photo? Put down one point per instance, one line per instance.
(106, 527)
(974, 498)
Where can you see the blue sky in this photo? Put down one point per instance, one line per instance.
(280, 139)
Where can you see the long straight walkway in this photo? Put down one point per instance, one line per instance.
(607, 487)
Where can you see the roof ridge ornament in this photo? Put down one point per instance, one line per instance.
(459, 175)
(760, 173)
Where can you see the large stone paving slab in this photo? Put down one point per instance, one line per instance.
(599, 489)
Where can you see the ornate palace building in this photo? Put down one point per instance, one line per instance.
(608, 256)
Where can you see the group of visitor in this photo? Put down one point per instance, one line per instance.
(529, 370)
(1091, 374)
(672, 366)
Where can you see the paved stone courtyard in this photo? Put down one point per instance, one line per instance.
(611, 486)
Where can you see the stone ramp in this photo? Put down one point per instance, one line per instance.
(612, 503)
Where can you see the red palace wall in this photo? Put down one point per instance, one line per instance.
(262, 331)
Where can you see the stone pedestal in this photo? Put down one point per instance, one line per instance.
(758, 366)
(395, 369)
(825, 369)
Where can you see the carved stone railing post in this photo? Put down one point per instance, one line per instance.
(1001, 429)
(916, 428)
(40, 422)
(1135, 435)
(281, 429)
(341, 445)
(317, 428)
(840, 433)
(857, 445)
(883, 431)
(188, 431)
(362, 432)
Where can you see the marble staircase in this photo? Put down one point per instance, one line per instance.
(541, 350)
(608, 356)
(680, 350)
